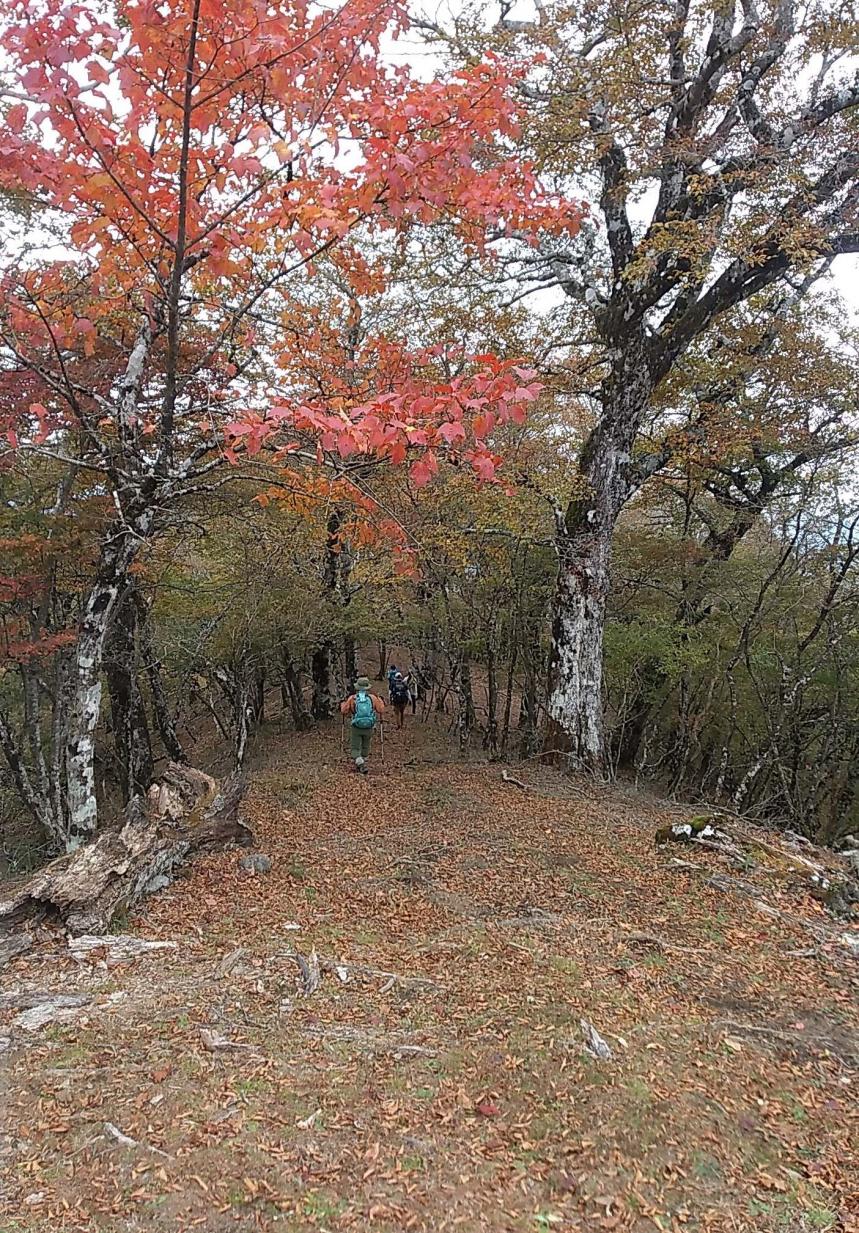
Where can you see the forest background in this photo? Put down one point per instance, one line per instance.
(532, 361)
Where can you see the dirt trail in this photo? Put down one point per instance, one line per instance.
(436, 1079)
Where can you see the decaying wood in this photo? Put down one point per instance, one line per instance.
(370, 1040)
(124, 1140)
(215, 1042)
(312, 967)
(114, 949)
(508, 778)
(12, 946)
(27, 999)
(637, 938)
(744, 832)
(790, 858)
(309, 969)
(232, 960)
(183, 814)
(350, 971)
(43, 1009)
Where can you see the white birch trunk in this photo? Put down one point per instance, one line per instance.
(117, 555)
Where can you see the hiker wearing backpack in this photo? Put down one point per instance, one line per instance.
(366, 711)
(415, 686)
(400, 697)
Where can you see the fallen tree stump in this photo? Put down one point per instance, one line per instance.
(187, 812)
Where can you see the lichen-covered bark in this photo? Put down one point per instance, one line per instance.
(574, 702)
(118, 552)
(583, 540)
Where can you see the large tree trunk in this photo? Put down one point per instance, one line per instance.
(184, 814)
(583, 540)
(574, 703)
(127, 707)
(119, 550)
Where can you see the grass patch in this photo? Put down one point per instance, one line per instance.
(706, 1168)
(317, 1206)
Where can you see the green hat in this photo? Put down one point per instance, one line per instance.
(362, 683)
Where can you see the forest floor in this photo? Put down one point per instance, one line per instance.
(436, 1079)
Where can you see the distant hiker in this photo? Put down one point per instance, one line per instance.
(400, 697)
(413, 681)
(366, 711)
(392, 672)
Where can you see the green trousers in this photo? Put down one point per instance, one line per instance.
(359, 741)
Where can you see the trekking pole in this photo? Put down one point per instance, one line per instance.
(343, 733)
(382, 737)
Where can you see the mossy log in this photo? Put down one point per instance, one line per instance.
(682, 832)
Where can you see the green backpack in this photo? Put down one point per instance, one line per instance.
(365, 712)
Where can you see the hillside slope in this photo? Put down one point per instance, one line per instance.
(436, 1079)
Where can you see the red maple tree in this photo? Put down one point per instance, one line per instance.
(191, 162)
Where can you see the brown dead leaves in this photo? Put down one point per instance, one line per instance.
(403, 1103)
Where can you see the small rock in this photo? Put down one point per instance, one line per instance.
(853, 862)
(58, 1010)
(594, 1043)
(256, 862)
(851, 941)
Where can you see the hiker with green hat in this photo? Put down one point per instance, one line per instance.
(366, 711)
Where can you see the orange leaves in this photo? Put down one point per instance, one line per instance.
(16, 118)
(452, 431)
(295, 141)
(117, 155)
(417, 416)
